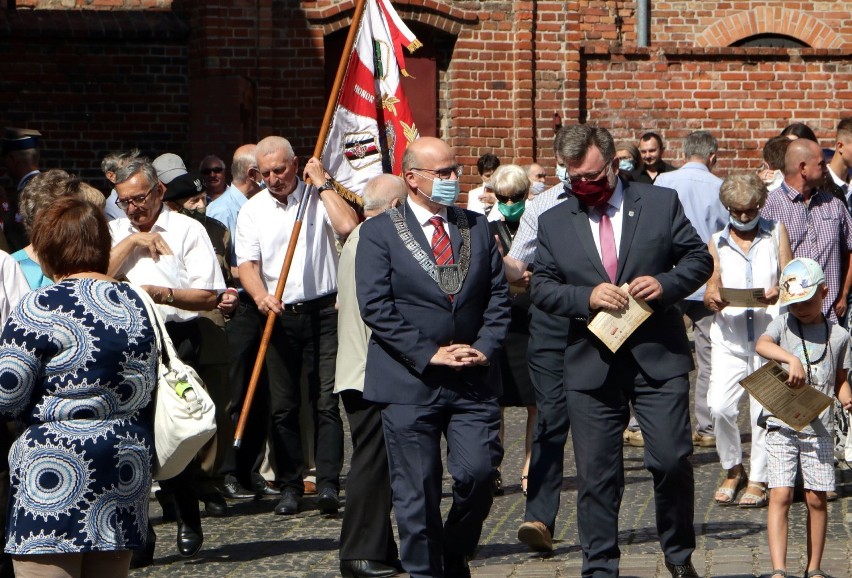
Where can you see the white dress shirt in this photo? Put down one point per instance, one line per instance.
(422, 214)
(193, 265)
(613, 206)
(264, 226)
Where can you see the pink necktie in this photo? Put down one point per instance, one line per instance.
(607, 237)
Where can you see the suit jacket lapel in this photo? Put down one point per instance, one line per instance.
(630, 209)
(417, 231)
(455, 235)
(583, 228)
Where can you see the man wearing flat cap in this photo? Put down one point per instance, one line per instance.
(21, 156)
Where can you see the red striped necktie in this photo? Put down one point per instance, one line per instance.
(441, 242)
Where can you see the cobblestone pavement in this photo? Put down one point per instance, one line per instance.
(253, 542)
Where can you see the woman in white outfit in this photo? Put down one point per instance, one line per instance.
(749, 252)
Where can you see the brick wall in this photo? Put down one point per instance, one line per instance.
(204, 77)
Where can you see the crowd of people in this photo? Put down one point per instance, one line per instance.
(423, 320)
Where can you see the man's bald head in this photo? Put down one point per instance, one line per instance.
(422, 150)
(800, 151)
(804, 166)
(383, 192)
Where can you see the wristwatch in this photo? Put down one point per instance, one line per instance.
(328, 185)
(170, 298)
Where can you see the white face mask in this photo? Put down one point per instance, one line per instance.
(562, 174)
(740, 226)
(538, 187)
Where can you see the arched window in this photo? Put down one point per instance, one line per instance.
(770, 41)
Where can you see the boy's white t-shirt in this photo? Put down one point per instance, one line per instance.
(784, 330)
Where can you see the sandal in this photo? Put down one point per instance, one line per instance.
(816, 574)
(781, 573)
(730, 493)
(755, 496)
(524, 485)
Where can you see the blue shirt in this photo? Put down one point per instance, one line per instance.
(225, 210)
(698, 191)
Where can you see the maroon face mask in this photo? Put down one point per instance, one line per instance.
(593, 193)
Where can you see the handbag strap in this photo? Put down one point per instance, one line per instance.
(159, 327)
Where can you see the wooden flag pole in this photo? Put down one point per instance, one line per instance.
(297, 227)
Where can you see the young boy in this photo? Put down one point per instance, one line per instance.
(817, 354)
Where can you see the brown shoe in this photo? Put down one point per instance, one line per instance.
(703, 440)
(634, 438)
(536, 536)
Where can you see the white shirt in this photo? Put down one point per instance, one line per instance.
(473, 202)
(263, 233)
(615, 216)
(422, 214)
(193, 265)
(13, 285)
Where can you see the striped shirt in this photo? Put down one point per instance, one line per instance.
(524, 243)
(820, 230)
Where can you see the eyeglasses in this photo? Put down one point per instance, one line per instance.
(514, 198)
(210, 170)
(136, 201)
(588, 176)
(445, 173)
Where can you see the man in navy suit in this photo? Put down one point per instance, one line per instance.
(430, 285)
(609, 233)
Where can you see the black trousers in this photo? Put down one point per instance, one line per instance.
(366, 533)
(599, 417)
(305, 342)
(244, 331)
(548, 338)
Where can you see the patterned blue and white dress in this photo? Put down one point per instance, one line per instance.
(78, 364)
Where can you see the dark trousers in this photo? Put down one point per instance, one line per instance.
(244, 331)
(548, 338)
(305, 341)
(599, 418)
(366, 533)
(413, 440)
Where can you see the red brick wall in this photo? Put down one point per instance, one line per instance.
(204, 77)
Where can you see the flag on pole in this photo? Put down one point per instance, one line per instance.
(372, 123)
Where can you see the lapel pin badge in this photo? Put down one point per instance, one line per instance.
(629, 213)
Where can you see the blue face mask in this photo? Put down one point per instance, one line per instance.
(740, 226)
(444, 192)
(562, 174)
(625, 165)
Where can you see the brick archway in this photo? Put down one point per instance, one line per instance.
(770, 20)
(333, 15)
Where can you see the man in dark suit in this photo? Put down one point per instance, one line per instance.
(430, 286)
(607, 234)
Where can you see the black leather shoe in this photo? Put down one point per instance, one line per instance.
(328, 502)
(456, 567)
(189, 539)
(682, 570)
(365, 569)
(233, 490)
(215, 505)
(140, 558)
(288, 504)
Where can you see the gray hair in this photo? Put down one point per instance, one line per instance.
(630, 148)
(509, 180)
(700, 144)
(134, 166)
(244, 159)
(742, 189)
(42, 191)
(112, 161)
(381, 190)
(579, 138)
(210, 158)
(274, 144)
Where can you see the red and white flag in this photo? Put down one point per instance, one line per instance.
(372, 123)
